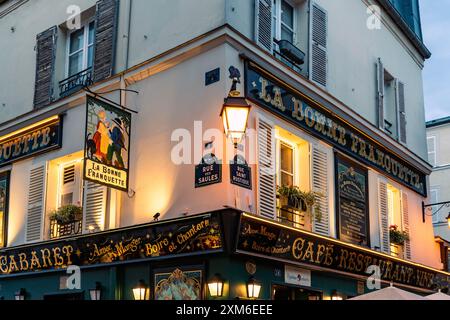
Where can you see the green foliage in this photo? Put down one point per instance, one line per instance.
(67, 214)
(300, 199)
(397, 237)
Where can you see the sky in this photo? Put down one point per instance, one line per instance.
(435, 16)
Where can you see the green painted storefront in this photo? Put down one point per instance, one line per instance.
(203, 256)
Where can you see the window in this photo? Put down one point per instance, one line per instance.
(390, 112)
(4, 194)
(395, 216)
(81, 49)
(292, 156)
(70, 186)
(431, 145)
(283, 18)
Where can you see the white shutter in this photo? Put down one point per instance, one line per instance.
(94, 206)
(263, 24)
(405, 217)
(383, 217)
(401, 108)
(36, 203)
(380, 93)
(319, 43)
(266, 169)
(320, 183)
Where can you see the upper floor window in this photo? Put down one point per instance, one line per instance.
(81, 49)
(431, 145)
(434, 198)
(283, 21)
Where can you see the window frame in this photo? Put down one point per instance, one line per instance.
(7, 176)
(435, 218)
(84, 48)
(77, 180)
(434, 151)
(278, 22)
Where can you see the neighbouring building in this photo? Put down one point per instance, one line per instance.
(113, 155)
(439, 157)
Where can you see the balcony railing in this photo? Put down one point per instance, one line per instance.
(61, 230)
(75, 82)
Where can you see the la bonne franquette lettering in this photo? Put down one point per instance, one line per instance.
(325, 126)
(22, 145)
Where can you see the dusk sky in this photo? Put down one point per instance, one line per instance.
(436, 33)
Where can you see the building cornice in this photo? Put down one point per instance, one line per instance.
(400, 22)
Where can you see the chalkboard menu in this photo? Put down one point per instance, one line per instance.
(352, 202)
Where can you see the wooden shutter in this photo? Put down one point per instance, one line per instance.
(405, 218)
(319, 43)
(263, 24)
(320, 183)
(36, 203)
(105, 38)
(45, 67)
(266, 169)
(94, 206)
(383, 217)
(380, 93)
(401, 111)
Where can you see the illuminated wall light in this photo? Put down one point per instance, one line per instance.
(253, 288)
(141, 291)
(215, 286)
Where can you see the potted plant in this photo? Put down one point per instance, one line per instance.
(397, 236)
(306, 201)
(67, 214)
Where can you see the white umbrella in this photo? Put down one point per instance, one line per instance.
(438, 296)
(389, 293)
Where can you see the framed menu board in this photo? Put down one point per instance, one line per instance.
(352, 201)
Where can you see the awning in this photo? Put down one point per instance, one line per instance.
(390, 293)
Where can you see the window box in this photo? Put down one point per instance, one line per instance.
(66, 221)
(291, 52)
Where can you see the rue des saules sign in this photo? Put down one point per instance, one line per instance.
(267, 91)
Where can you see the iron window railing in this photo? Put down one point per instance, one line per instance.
(61, 230)
(75, 82)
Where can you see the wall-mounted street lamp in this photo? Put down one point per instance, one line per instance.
(215, 286)
(141, 291)
(20, 295)
(96, 292)
(429, 207)
(253, 288)
(235, 111)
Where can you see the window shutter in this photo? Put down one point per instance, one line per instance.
(94, 206)
(320, 183)
(105, 38)
(266, 169)
(380, 93)
(405, 216)
(401, 110)
(45, 67)
(36, 201)
(319, 54)
(383, 216)
(263, 24)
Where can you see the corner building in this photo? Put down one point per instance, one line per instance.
(336, 96)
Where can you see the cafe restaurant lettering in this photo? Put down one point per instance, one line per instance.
(273, 95)
(196, 235)
(262, 238)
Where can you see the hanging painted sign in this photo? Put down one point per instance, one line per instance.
(194, 235)
(107, 144)
(352, 202)
(261, 238)
(31, 141)
(272, 94)
(240, 173)
(208, 172)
